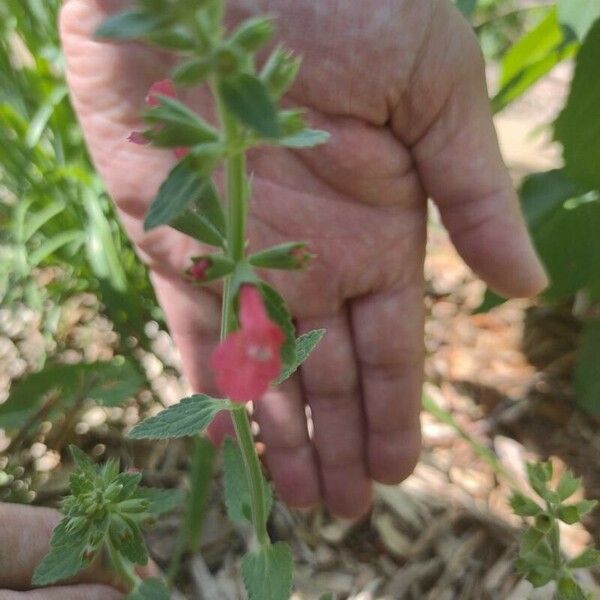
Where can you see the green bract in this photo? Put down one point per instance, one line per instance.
(540, 557)
(106, 510)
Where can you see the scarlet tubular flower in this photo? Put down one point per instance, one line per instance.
(247, 361)
(159, 88)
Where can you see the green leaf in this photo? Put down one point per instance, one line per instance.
(177, 125)
(205, 220)
(201, 482)
(246, 97)
(327, 596)
(280, 315)
(193, 72)
(568, 514)
(543, 193)
(540, 575)
(64, 560)
(568, 589)
(191, 416)
(118, 380)
(253, 33)
(589, 558)
(569, 246)
(587, 376)
(578, 16)
(129, 25)
(539, 474)
(161, 501)
(131, 543)
(578, 126)
(305, 345)
(532, 57)
(150, 589)
(586, 506)
(567, 485)
(466, 7)
(268, 573)
(182, 187)
(530, 541)
(305, 139)
(237, 494)
(524, 506)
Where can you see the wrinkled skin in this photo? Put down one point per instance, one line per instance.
(400, 86)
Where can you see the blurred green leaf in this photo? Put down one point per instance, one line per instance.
(247, 98)
(268, 572)
(161, 501)
(177, 125)
(466, 7)
(589, 558)
(305, 345)
(150, 589)
(578, 126)
(69, 382)
(307, 138)
(542, 193)
(204, 220)
(129, 25)
(278, 313)
(587, 374)
(578, 16)
(532, 57)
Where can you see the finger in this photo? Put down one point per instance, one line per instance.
(388, 338)
(450, 128)
(71, 592)
(289, 456)
(331, 389)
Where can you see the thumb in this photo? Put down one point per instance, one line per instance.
(459, 160)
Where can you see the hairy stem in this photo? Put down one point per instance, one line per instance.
(123, 567)
(237, 208)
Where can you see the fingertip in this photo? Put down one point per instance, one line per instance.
(348, 492)
(393, 455)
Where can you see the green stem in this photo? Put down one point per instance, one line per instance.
(254, 474)
(237, 208)
(123, 567)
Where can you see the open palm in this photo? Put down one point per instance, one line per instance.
(400, 87)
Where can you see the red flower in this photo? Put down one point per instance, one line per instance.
(159, 88)
(247, 361)
(198, 270)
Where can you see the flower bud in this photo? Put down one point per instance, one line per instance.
(227, 61)
(291, 122)
(134, 505)
(209, 268)
(112, 491)
(288, 256)
(253, 33)
(280, 72)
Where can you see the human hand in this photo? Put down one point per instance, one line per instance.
(26, 533)
(400, 86)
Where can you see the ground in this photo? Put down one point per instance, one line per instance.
(498, 382)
